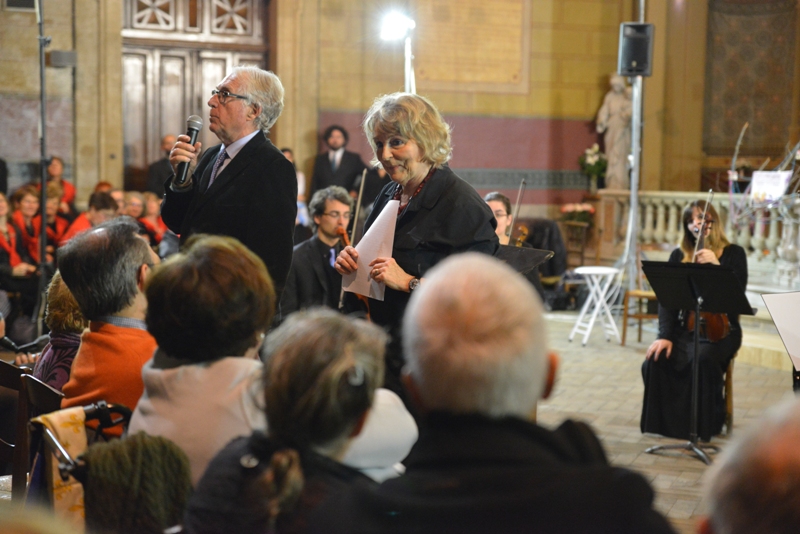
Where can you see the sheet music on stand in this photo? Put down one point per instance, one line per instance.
(783, 308)
(767, 187)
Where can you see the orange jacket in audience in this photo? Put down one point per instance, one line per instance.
(108, 366)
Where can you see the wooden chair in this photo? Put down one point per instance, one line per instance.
(575, 237)
(729, 398)
(639, 295)
(41, 397)
(17, 454)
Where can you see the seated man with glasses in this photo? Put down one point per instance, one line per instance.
(245, 187)
(312, 279)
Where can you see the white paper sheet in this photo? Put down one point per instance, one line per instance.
(376, 243)
(783, 307)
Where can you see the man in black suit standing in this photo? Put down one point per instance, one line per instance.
(159, 171)
(245, 187)
(312, 279)
(336, 166)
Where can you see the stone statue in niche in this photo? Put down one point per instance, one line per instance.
(614, 121)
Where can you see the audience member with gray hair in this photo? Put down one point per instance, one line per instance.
(754, 486)
(245, 187)
(475, 343)
(105, 269)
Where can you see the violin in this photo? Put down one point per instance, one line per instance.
(713, 326)
(523, 235)
(346, 240)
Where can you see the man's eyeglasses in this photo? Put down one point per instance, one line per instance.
(225, 95)
(336, 215)
(500, 213)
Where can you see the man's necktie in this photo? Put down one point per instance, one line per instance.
(333, 162)
(217, 164)
(333, 257)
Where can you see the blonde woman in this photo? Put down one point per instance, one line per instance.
(667, 366)
(439, 213)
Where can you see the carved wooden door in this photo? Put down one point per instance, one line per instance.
(174, 53)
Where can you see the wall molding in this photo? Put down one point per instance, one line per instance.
(535, 179)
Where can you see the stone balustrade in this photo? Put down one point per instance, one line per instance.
(770, 235)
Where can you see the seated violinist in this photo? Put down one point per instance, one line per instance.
(667, 369)
(501, 208)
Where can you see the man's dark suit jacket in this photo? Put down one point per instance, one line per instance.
(472, 474)
(307, 284)
(253, 199)
(349, 169)
(157, 174)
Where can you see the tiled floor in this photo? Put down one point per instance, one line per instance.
(602, 385)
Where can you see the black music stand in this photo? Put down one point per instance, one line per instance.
(704, 287)
(523, 259)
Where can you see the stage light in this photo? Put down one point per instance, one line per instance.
(397, 26)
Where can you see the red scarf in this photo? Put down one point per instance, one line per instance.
(54, 235)
(30, 242)
(156, 230)
(10, 245)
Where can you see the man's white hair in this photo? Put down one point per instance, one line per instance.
(265, 89)
(754, 486)
(474, 338)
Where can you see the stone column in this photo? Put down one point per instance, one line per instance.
(297, 65)
(98, 95)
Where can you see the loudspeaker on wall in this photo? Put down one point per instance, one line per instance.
(635, 49)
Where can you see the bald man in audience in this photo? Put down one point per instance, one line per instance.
(754, 486)
(105, 268)
(477, 362)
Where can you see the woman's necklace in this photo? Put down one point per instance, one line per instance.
(405, 199)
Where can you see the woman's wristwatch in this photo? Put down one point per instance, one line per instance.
(413, 284)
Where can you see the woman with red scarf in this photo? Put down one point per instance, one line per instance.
(16, 270)
(151, 219)
(26, 222)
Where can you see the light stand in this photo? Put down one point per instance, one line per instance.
(44, 42)
(397, 26)
(636, 49)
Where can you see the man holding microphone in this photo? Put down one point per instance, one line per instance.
(244, 188)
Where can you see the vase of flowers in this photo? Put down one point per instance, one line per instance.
(578, 212)
(593, 164)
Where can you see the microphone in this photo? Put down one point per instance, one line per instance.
(7, 343)
(193, 126)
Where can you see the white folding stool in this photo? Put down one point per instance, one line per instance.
(599, 280)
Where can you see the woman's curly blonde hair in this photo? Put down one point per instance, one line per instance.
(63, 313)
(409, 116)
